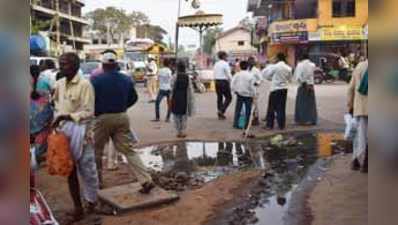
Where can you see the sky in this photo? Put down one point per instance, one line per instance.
(164, 13)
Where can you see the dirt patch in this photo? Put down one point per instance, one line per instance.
(56, 192)
(195, 207)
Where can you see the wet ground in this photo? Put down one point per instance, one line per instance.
(259, 182)
(286, 161)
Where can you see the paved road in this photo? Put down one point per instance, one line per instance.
(205, 125)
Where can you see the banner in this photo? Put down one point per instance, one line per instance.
(343, 33)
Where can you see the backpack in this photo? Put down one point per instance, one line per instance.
(59, 156)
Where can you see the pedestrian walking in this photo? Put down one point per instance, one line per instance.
(74, 106)
(165, 79)
(256, 73)
(306, 110)
(344, 66)
(358, 104)
(243, 85)
(279, 74)
(114, 94)
(151, 75)
(223, 77)
(182, 100)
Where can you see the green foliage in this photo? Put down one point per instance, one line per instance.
(119, 23)
(154, 32)
(39, 26)
(116, 20)
(209, 39)
(138, 18)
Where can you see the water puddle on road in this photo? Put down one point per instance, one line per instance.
(285, 160)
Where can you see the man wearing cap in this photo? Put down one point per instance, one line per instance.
(114, 94)
(152, 71)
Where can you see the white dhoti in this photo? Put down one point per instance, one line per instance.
(361, 138)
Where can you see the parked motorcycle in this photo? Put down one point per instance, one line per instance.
(40, 212)
(330, 76)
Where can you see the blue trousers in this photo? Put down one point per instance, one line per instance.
(162, 94)
(241, 100)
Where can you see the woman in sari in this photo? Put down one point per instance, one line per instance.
(41, 113)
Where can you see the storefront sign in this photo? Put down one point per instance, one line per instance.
(290, 26)
(343, 33)
(290, 37)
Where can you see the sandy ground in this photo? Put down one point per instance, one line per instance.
(341, 198)
(346, 195)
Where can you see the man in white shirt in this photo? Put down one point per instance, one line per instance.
(279, 74)
(306, 111)
(243, 85)
(223, 77)
(151, 75)
(165, 78)
(344, 66)
(258, 79)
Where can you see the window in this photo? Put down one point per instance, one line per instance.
(241, 43)
(304, 9)
(343, 8)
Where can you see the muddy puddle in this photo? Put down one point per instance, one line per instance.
(285, 160)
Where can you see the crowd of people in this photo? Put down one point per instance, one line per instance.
(91, 112)
(249, 77)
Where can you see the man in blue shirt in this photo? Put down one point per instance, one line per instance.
(114, 94)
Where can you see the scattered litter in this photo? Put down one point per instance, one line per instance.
(277, 140)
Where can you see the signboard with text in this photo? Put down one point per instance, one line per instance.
(289, 26)
(290, 37)
(342, 33)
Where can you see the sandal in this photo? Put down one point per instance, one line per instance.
(147, 187)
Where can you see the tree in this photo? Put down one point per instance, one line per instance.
(117, 24)
(138, 18)
(110, 21)
(154, 32)
(209, 39)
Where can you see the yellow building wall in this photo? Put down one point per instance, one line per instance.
(326, 18)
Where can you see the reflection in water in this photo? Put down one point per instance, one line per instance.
(208, 160)
(286, 165)
(286, 162)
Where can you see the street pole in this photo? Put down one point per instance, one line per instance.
(58, 28)
(177, 29)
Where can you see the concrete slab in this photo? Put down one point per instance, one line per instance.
(127, 197)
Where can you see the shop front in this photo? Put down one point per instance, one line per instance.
(287, 36)
(350, 41)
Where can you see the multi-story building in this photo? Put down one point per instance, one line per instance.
(317, 26)
(71, 22)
